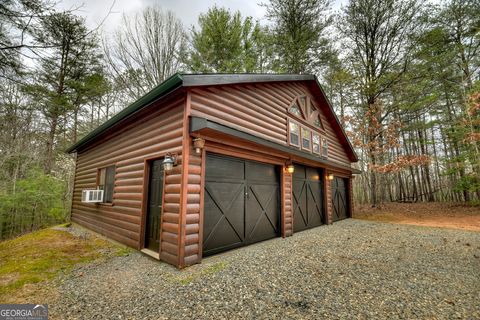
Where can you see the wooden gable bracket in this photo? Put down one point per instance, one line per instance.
(303, 108)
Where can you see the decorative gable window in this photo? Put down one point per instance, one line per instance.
(303, 108)
(305, 125)
(294, 109)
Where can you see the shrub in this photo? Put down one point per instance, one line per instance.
(31, 203)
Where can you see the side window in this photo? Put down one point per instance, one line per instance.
(306, 139)
(294, 130)
(324, 147)
(315, 143)
(106, 182)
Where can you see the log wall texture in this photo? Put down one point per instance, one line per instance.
(328, 199)
(350, 197)
(159, 131)
(261, 109)
(287, 204)
(193, 208)
(171, 213)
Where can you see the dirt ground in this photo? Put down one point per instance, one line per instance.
(442, 215)
(352, 269)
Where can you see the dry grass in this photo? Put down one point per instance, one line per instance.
(442, 215)
(29, 262)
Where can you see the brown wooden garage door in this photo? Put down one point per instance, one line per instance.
(308, 211)
(242, 203)
(339, 198)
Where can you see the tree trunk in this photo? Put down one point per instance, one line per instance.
(50, 146)
(75, 126)
(373, 182)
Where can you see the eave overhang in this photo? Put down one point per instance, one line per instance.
(203, 126)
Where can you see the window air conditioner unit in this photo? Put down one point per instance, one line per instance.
(92, 196)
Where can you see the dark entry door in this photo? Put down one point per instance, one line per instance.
(154, 211)
(308, 211)
(339, 198)
(241, 205)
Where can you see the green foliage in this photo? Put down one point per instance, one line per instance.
(68, 77)
(402, 62)
(470, 183)
(299, 28)
(34, 202)
(227, 43)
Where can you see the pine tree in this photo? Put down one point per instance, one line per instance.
(228, 43)
(62, 72)
(300, 28)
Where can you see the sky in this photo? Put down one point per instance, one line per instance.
(97, 11)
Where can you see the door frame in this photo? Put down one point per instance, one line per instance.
(144, 204)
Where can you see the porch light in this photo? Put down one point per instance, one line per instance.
(290, 168)
(330, 177)
(198, 144)
(169, 161)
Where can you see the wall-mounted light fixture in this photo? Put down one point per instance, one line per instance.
(289, 167)
(330, 177)
(169, 161)
(198, 144)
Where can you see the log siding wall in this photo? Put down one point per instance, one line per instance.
(170, 226)
(287, 223)
(194, 194)
(328, 199)
(350, 197)
(161, 131)
(261, 109)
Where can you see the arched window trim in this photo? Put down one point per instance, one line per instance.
(305, 105)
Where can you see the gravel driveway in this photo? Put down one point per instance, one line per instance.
(352, 269)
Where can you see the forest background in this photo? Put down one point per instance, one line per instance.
(402, 75)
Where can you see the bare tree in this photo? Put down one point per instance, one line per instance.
(377, 34)
(146, 50)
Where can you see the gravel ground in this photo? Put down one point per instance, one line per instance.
(351, 270)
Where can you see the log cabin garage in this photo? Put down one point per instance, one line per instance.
(207, 163)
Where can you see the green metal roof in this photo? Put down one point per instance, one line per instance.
(164, 88)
